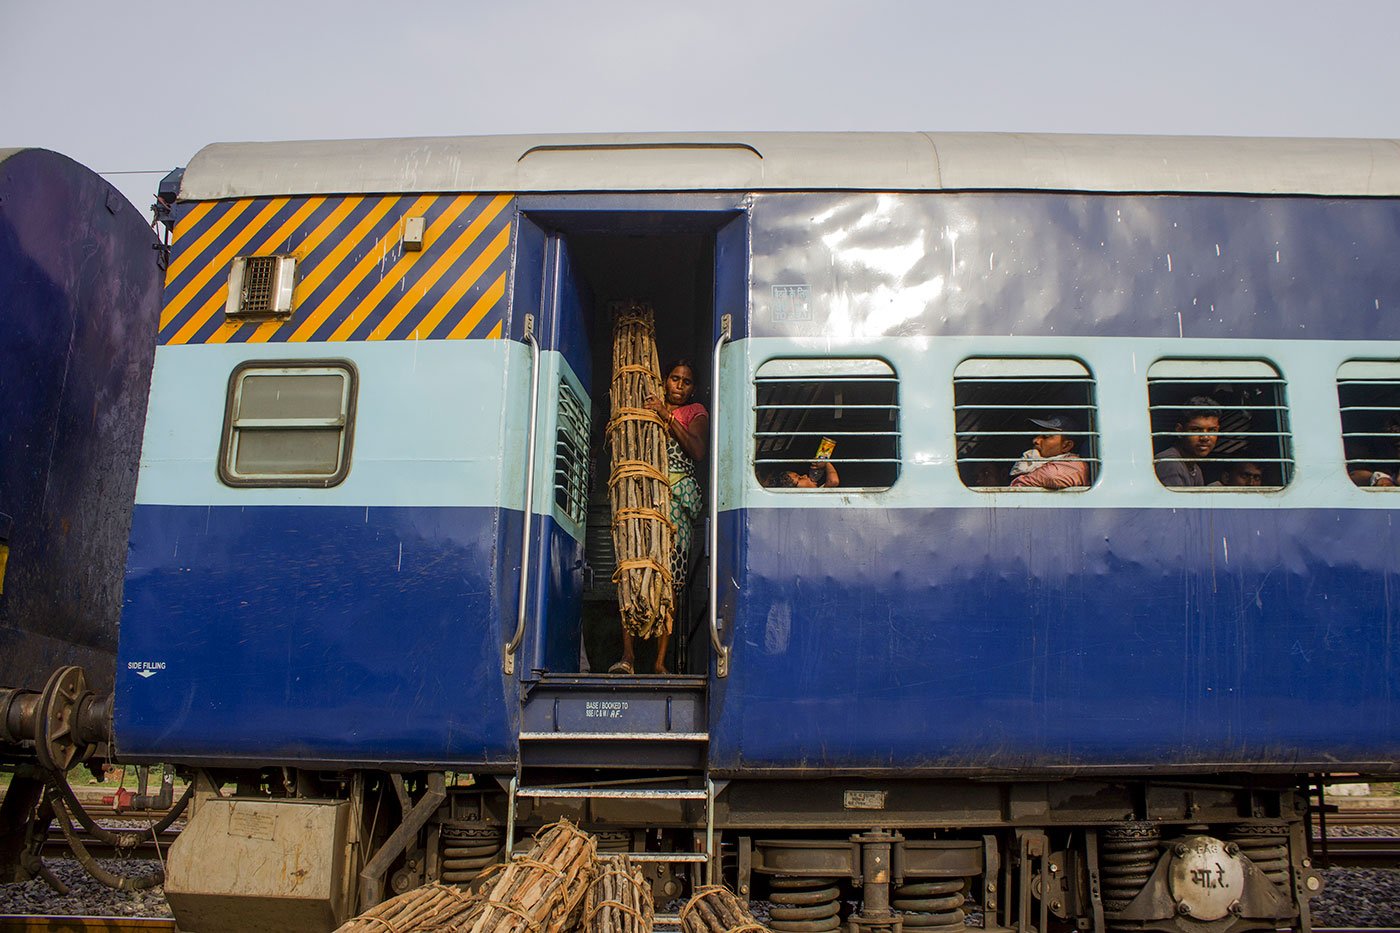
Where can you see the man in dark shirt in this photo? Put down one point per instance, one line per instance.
(1198, 432)
(1246, 473)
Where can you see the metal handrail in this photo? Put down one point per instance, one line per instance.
(514, 643)
(726, 325)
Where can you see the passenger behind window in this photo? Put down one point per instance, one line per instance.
(821, 474)
(1051, 462)
(1198, 432)
(1381, 465)
(985, 475)
(1246, 473)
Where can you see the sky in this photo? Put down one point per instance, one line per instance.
(139, 86)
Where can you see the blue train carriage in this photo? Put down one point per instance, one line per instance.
(1103, 587)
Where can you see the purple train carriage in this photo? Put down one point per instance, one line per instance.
(80, 286)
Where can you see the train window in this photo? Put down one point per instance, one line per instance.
(826, 423)
(1219, 425)
(571, 456)
(1369, 394)
(1025, 424)
(288, 424)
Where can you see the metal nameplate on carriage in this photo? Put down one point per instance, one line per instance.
(252, 825)
(865, 799)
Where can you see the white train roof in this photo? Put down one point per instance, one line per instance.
(796, 162)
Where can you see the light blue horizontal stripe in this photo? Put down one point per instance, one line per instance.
(439, 423)
(928, 472)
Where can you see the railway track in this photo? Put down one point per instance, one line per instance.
(42, 924)
(1358, 851)
(149, 847)
(27, 924)
(1365, 816)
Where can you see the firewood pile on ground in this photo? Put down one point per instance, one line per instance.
(561, 885)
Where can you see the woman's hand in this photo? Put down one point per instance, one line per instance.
(657, 403)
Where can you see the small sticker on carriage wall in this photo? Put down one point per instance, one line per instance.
(866, 799)
(792, 303)
(145, 669)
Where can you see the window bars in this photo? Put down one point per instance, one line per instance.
(852, 402)
(1368, 392)
(1249, 396)
(996, 403)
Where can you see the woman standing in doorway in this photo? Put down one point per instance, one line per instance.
(687, 439)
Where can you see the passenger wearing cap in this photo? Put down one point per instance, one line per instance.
(1051, 462)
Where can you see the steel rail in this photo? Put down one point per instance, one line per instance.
(1358, 851)
(1363, 816)
(15, 923)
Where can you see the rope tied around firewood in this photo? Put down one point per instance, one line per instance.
(644, 563)
(624, 416)
(632, 469)
(384, 923)
(630, 368)
(510, 908)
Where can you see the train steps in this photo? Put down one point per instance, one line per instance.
(631, 750)
(615, 722)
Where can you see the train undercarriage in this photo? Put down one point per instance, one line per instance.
(300, 848)
(1175, 854)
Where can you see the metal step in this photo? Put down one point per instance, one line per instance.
(704, 794)
(614, 793)
(615, 736)
(610, 709)
(612, 721)
(668, 858)
(692, 858)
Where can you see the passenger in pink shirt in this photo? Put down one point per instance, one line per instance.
(1051, 462)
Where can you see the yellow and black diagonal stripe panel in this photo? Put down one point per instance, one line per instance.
(355, 280)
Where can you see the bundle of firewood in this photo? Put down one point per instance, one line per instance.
(542, 892)
(619, 900)
(715, 909)
(432, 907)
(639, 487)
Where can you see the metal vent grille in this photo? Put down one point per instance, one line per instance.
(261, 286)
(571, 456)
(259, 283)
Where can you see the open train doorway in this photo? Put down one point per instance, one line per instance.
(677, 267)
